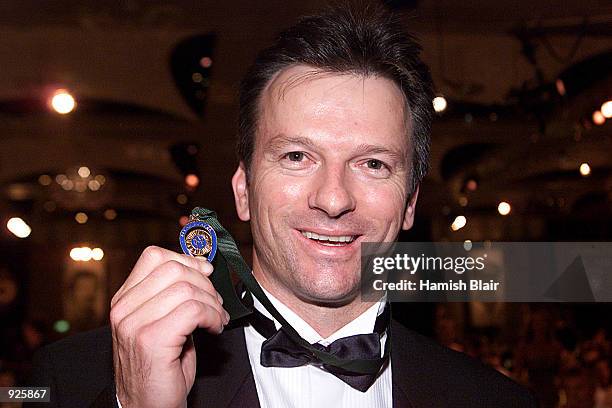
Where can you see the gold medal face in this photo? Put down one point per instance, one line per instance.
(198, 238)
(199, 242)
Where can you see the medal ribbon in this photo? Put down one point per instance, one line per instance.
(229, 257)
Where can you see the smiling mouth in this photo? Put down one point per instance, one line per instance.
(329, 240)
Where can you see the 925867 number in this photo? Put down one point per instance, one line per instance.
(24, 394)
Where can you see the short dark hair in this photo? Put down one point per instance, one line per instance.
(363, 40)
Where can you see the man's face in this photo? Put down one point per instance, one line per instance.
(330, 170)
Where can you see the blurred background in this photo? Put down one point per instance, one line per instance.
(118, 117)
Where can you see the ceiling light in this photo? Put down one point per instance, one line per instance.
(62, 102)
(439, 104)
(504, 208)
(458, 223)
(18, 227)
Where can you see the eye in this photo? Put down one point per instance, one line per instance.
(295, 156)
(374, 164)
(375, 168)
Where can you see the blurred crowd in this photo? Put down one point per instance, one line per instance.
(563, 365)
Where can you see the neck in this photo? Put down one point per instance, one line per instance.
(325, 319)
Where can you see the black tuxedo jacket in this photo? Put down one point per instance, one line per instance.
(79, 371)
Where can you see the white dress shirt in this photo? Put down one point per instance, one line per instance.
(310, 386)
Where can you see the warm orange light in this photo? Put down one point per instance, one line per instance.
(504, 208)
(94, 185)
(45, 180)
(192, 180)
(606, 109)
(63, 102)
(97, 254)
(86, 254)
(439, 104)
(67, 184)
(100, 179)
(110, 214)
(560, 87)
(458, 223)
(585, 169)
(84, 171)
(81, 217)
(598, 118)
(18, 227)
(471, 185)
(82, 254)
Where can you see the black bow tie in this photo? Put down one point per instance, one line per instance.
(357, 358)
(279, 350)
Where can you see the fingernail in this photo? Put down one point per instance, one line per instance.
(227, 317)
(219, 298)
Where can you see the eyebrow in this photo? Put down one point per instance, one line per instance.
(400, 156)
(280, 141)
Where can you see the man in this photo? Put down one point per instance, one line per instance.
(333, 142)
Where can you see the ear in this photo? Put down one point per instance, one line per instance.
(410, 207)
(241, 193)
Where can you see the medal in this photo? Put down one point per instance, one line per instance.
(197, 238)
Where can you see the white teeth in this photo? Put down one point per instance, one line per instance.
(328, 238)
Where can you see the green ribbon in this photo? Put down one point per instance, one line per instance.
(229, 259)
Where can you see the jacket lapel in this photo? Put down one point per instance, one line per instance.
(415, 383)
(246, 396)
(224, 377)
(399, 367)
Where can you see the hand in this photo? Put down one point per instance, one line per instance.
(163, 300)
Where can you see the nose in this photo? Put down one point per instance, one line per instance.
(332, 193)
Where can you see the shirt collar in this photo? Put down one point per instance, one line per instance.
(363, 324)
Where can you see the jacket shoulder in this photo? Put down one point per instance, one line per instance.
(77, 369)
(425, 368)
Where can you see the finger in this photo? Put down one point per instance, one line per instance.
(173, 329)
(154, 256)
(164, 276)
(167, 300)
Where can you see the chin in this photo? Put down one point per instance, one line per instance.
(322, 290)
